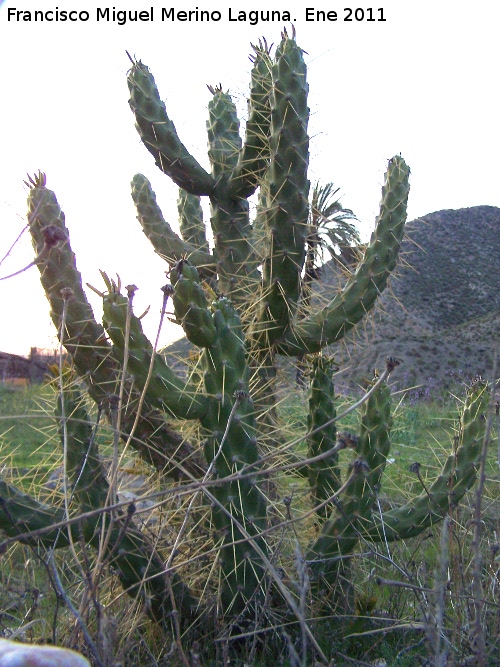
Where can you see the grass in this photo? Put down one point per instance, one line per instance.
(28, 439)
(390, 622)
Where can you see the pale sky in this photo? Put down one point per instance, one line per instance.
(424, 83)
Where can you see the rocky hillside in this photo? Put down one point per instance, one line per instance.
(442, 312)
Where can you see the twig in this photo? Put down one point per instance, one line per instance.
(379, 631)
(440, 591)
(71, 607)
(380, 581)
(14, 244)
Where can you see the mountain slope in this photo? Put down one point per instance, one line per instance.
(441, 315)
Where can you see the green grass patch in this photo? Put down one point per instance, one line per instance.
(28, 439)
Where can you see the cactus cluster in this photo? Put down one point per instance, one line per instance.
(239, 304)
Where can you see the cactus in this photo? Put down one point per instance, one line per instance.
(239, 305)
(356, 518)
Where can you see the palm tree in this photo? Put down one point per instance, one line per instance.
(330, 231)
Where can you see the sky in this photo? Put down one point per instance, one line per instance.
(423, 84)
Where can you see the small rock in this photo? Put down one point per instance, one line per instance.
(14, 654)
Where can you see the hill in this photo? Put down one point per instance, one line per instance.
(441, 314)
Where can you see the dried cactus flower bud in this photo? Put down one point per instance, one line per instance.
(346, 439)
(392, 363)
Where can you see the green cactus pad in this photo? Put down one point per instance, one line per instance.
(230, 435)
(84, 338)
(458, 475)
(164, 389)
(191, 223)
(353, 511)
(223, 129)
(191, 306)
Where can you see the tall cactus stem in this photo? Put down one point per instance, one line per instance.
(288, 190)
(324, 476)
(164, 390)
(224, 142)
(86, 340)
(230, 429)
(254, 156)
(340, 533)
(458, 475)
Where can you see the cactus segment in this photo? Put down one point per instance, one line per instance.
(360, 293)
(356, 518)
(139, 568)
(236, 263)
(159, 135)
(142, 574)
(83, 466)
(340, 534)
(230, 430)
(324, 476)
(231, 416)
(191, 306)
(164, 390)
(374, 441)
(229, 211)
(20, 513)
(86, 341)
(259, 232)
(223, 129)
(457, 476)
(191, 223)
(165, 241)
(253, 159)
(288, 190)
(84, 338)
